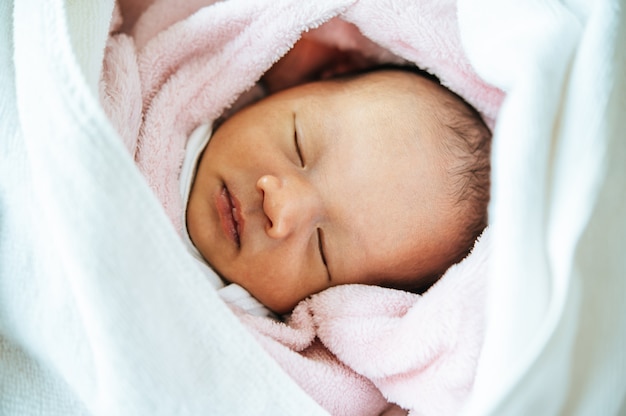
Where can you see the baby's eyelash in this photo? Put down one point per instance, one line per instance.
(320, 242)
(297, 144)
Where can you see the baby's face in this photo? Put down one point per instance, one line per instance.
(324, 184)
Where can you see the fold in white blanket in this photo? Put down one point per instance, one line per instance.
(103, 312)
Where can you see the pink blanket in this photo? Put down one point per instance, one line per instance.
(356, 349)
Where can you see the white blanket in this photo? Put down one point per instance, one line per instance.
(103, 312)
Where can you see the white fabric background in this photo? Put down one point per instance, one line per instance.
(556, 338)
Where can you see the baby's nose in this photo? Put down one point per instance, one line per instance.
(290, 204)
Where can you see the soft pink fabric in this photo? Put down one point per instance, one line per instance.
(355, 349)
(351, 344)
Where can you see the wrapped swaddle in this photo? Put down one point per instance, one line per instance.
(433, 367)
(103, 311)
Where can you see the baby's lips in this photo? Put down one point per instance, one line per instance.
(226, 215)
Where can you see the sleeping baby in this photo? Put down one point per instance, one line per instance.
(379, 177)
(338, 172)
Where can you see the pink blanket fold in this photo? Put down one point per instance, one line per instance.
(355, 349)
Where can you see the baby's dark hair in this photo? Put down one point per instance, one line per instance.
(469, 145)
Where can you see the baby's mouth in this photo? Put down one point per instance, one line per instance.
(228, 209)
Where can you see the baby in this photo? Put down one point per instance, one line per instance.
(379, 178)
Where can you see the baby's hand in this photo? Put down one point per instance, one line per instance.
(310, 60)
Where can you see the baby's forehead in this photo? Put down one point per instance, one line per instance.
(398, 95)
(394, 89)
